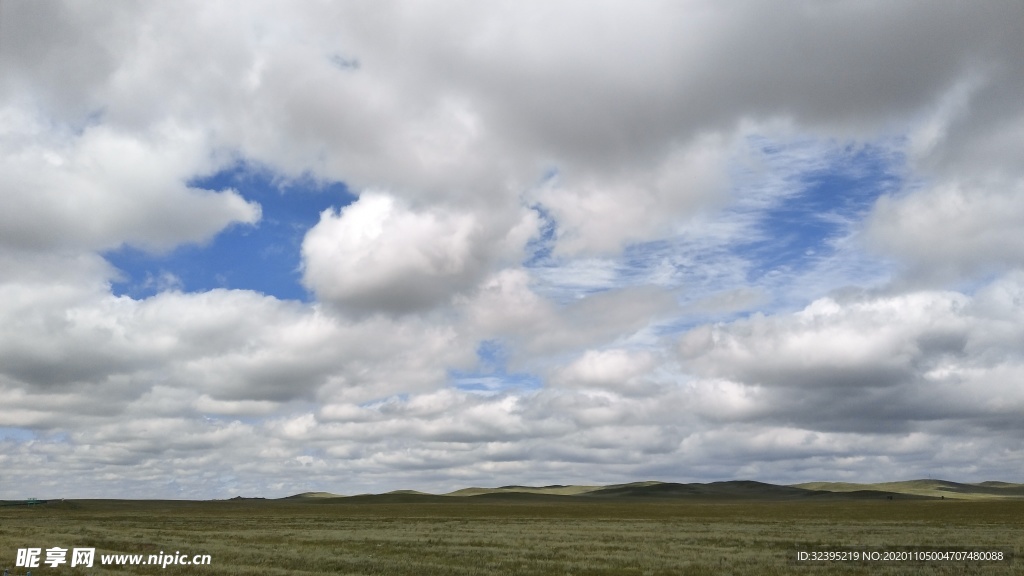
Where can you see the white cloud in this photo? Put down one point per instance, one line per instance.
(600, 213)
(876, 342)
(952, 230)
(380, 255)
(921, 361)
(623, 371)
(506, 303)
(540, 334)
(104, 188)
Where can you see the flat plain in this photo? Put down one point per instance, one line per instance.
(508, 532)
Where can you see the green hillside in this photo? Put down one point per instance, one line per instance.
(932, 488)
(556, 490)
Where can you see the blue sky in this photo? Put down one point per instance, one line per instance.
(596, 244)
(264, 257)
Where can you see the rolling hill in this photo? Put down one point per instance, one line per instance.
(725, 490)
(931, 488)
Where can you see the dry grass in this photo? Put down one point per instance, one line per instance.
(464, 536)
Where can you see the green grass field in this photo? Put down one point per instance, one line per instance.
(510, 534)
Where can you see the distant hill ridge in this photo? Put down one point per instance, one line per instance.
(929, 487)
(724, 490)
(316, 495)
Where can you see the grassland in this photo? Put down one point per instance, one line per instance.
(511, 534)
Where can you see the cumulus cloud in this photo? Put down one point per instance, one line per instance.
(622, 371)
(905, 363)
(221, 352)
(379, 255)
(104, 188)
(953, 230)
(875, 343)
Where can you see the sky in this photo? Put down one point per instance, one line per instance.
(260, 248)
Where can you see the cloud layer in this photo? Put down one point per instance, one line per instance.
(589, 243)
